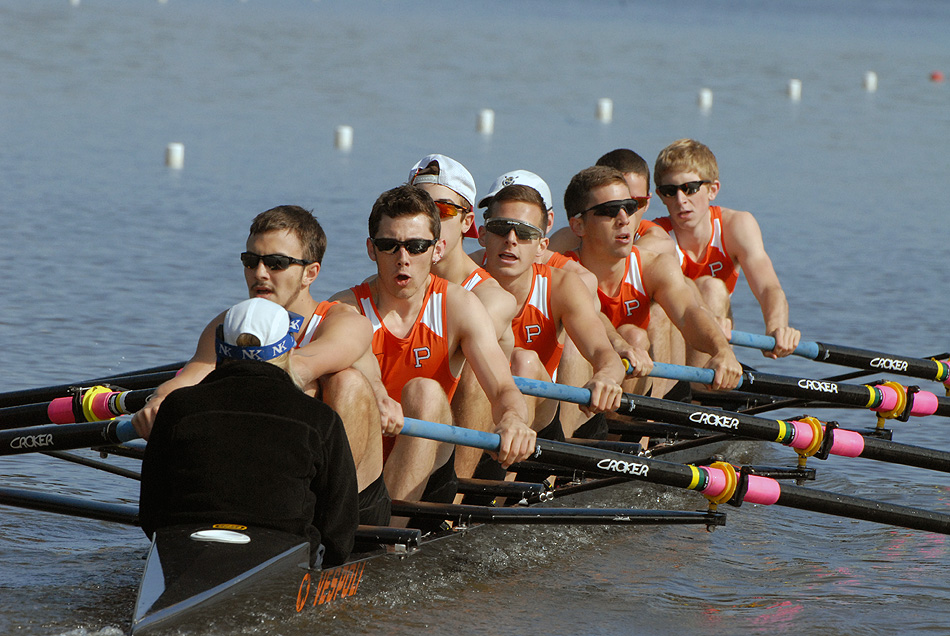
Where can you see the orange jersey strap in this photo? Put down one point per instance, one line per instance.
(476, 278)
(557, 260)
(643, 228)
(534, 327)
(714, 261)
(318, 315)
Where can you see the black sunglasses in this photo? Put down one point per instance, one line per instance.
(689, 188)
(271, 261)
(413, 246)
(612, 208)
(524, 231)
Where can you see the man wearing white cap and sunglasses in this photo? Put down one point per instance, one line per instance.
(247, 446)
(452, 188)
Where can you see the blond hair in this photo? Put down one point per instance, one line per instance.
(686, 155)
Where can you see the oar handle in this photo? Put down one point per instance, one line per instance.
(686, 374)
(451, 434)
(809, 350)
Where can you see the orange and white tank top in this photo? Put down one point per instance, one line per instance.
(631, 304)
(423, 352)
(318, 315)
(715, 261)
(534, 327)
(476, 278)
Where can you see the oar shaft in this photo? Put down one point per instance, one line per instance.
(863, 396)
(851, 357)
(90, 406)
(141, 379)
(798, 435)
(710, 481)
(65, 437)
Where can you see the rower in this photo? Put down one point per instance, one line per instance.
(601, 211)
(452, 188)
(715, 243)
(552, 302)
(646, 235)
(283, 257)
(247, 446)
(425, 329)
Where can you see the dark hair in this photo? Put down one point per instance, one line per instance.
(523, 193)
(405, 200)
(301, 224)
(575, 196)
(626, 161)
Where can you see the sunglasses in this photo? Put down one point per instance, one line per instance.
(275, 262)
(689, 188)
(503, 227)
(612, 208)
(448, 209)
(413, 246)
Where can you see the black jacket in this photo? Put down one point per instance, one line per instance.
(246, 446)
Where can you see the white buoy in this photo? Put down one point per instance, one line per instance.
(486, 121)
(795, 89)
(175, 155)
(74, 3)
(605, 110)
(343, 137)
(870, 81)
(705, 98)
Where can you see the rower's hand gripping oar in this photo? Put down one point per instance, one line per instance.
(890, 399)
(807, 436)
(719, 483)
(936, 370)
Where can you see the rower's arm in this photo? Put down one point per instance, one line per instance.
(667, 285)
(584, 326)
(470, 322)
(501, 307)
(743, 240)
(201, 364)
(343, 337)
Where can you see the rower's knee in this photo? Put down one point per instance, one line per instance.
(715, 295)
(526, 364)
(425, 399)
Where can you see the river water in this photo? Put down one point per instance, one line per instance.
(113, 262)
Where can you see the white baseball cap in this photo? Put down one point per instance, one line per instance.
(452, 175)
(519, 177)
(273, 325)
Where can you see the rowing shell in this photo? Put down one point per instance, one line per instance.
(204, 574)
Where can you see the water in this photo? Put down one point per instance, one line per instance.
(114, 262)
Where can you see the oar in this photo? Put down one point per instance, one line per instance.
(92, 405)
(59, 437)
(890, 397)
(141, 379)
(809, 437)
(719, 483)
(850, 357)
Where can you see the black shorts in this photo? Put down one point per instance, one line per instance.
(375, 504)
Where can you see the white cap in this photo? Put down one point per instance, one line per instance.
(452, 175)
(519, 177)
(273, 325)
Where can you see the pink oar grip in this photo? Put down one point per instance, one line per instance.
(100, 406)
(847, 443)
(762, 490)
(60, 411)
(717, 482)
(803, 435)
(925, 403)
(889, 398)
